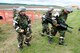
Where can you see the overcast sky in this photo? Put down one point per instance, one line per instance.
(44, 2)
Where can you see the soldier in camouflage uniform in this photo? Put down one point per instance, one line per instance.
(46, 20)
(61, 18)
(22, 25)
(45, 27)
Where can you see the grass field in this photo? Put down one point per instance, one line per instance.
(8, 41)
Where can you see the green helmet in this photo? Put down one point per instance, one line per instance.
(21, 9)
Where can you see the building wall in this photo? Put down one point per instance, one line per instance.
(8, 15)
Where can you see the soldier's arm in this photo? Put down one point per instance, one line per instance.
(29, 22)
(29, 25)
(54, 23)
(16, 24)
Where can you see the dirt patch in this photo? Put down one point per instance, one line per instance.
(9, 45)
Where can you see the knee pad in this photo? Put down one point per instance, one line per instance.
(61, 38)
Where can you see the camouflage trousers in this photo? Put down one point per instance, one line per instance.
(54, 32)
(62, 35)
(45, 29)
(24, 37)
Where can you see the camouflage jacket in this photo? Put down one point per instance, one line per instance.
(62, 18)
(21, 22)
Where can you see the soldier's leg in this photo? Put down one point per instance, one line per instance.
(47, 30)
(52, 34)
(53, 31)
(61, 38)
(28, 38)
(20, 40)
(44, 29)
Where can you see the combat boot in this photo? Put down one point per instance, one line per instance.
(61, 40)
(27, 43)
(20, 46)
